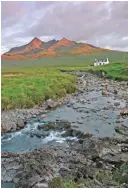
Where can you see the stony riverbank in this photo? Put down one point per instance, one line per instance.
(90, 159)
(96, 162)
(16, 119)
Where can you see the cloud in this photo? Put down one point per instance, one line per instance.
(44, 4)
(100, 23)
(11, 12)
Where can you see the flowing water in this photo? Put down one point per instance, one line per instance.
(92, 113)
(7, 185)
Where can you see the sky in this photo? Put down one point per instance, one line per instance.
(101, 23)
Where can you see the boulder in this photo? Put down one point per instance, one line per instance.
(20, 123)
(7, 125)
(51, 104)
(39, 134)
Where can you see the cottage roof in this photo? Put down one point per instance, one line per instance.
(101, 60)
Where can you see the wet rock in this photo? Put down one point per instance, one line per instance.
(71, 102)
(83, 101)
(39, 134)
(76, 133)
(20, 123)
(68, 105)
(75, 106)
(122, 130)
(117, 104)
(80, 122)
(94, 110)
(75, 126)
(48, 127)
(81, 90)
(97, 130)
(115, 92)
(59, 125)
(82, 159)
(106, 117)
(40, 126)
(118, 121)
(106, 108)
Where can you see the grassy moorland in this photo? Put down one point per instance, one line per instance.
(26, 83)
(66, 61)
(27, 87)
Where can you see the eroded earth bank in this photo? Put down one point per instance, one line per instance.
(83, 140)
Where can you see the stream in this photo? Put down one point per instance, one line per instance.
(89, 114)
(88, 111)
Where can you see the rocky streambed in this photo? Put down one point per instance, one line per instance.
(85, 138)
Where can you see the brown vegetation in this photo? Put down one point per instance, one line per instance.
(36, 49)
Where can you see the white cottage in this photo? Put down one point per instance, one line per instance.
(101, 62)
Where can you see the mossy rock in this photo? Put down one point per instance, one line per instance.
(104, 177)
(121, 175)
(62, 183)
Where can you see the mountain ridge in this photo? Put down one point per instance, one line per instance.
(37, 48)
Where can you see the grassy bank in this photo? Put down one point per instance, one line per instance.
(30, 82)
(25, 88)
(114, 70)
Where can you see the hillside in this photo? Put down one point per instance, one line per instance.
(39, 49)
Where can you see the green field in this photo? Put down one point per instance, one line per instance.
(68, 61)
(27, 83)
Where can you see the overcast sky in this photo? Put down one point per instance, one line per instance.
(104, 24)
